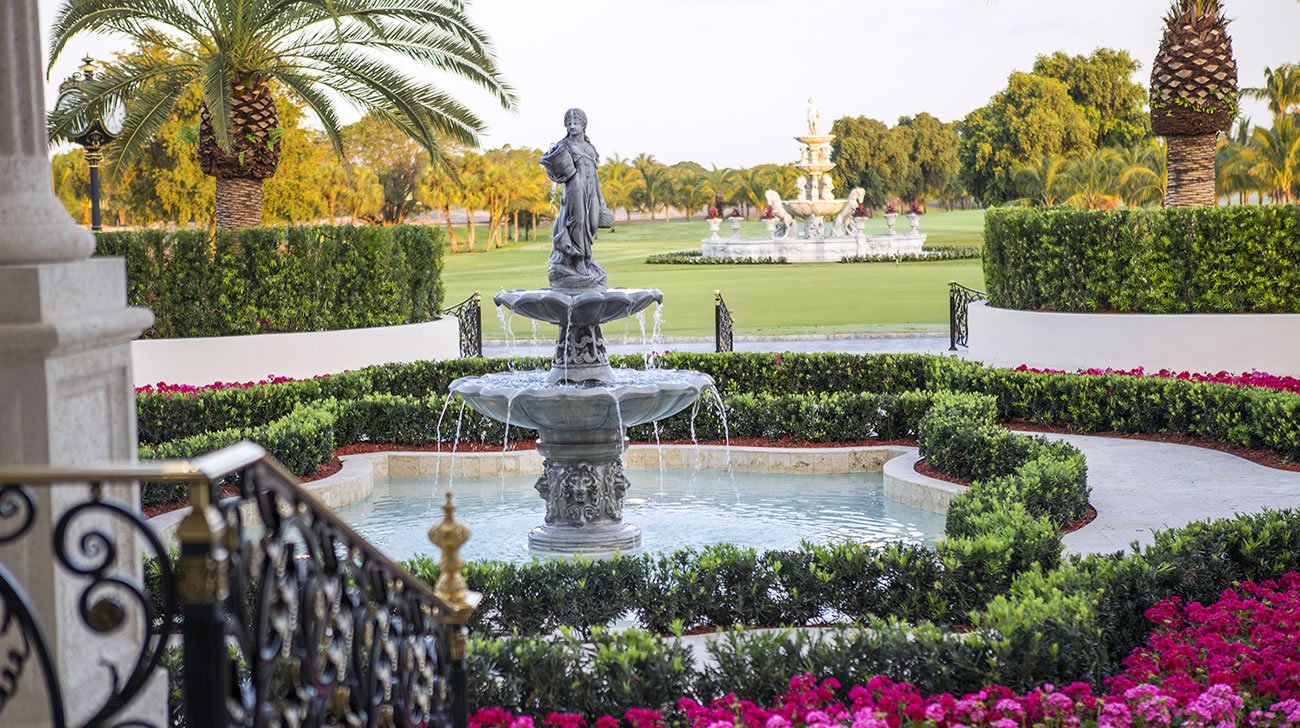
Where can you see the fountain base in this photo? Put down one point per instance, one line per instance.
(591, 540)
(584, 486)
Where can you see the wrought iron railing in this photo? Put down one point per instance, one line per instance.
(722, 324)
(295, 621)
(959, 298)
(470, 314)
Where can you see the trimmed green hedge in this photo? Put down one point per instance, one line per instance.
(695, 257)
(965, 252)
(262, 280)
(1175, 260)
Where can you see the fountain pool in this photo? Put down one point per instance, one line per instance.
(675, 508)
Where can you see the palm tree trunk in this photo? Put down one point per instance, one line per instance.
(1191, 170)
(239, 203)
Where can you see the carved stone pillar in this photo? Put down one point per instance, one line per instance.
(66, 396)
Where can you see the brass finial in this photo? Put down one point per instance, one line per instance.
(88, 67)
(449, 535)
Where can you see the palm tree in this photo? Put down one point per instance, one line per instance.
(1232, 165)
(751, 184)
(721, 184)
(1275, 157)
(617, 181)
(1281, 89)
(1143, 177)
(691, 190)
(655, 184)
(236, 52)
(1091, 179)
(1193, 96)
(1040, 183)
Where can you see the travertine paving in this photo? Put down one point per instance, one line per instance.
(1141, 487)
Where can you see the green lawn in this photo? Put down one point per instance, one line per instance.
(767, 299)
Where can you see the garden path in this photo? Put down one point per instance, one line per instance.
(1140, 487)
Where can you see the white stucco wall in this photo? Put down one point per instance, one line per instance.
(251, 358)
(1180, 342)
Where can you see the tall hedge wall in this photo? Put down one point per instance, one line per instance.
(282, 279)
(1177, 260)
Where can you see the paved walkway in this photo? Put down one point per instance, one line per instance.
(1140, 487)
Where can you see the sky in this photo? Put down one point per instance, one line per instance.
(725, 82)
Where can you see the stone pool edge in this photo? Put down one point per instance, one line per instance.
(355, 481)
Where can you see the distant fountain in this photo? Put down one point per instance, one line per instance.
(582, 407)
(799, 233)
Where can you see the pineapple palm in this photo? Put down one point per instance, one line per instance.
(236, 52)
(1193, 96)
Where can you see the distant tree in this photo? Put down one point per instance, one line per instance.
(690, 189)
(933, 156)
(1040, 182)
(395, 158)
(72, 183)
(721, 185)
(655, 184)
(617, 181)
(1281, 89)
(1091, 179)
(780, 177)
(1275, 157)
(751, 184)
(1102, 85)
(1032, 116)
(868, 155)
(1143, 177)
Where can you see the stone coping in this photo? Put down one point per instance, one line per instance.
(355, 481)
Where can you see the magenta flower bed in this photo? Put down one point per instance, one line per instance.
(1233, 663)
(190, 390)
(1245, 379)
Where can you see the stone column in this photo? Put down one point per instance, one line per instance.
(66, 395)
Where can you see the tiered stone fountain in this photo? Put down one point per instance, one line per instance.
(798, 232)
(582, 406)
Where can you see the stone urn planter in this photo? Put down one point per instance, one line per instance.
(890, 217)
(715, 224)
(915, 220)
(770, 223)
(735, 226)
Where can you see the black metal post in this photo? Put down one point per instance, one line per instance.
(952, 315)
(459, 682)
(93, 158)
(202, 585)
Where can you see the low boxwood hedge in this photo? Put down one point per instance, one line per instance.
(281, 279)
(1171, 260)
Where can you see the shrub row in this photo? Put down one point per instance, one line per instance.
(966, 252)
(1245, 416)
(302, 278)
(695, 257)
(1072, 624)
(1174, 260)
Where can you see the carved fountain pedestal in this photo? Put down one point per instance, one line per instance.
(581, 409)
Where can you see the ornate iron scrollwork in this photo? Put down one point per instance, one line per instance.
(959, 297)
(470, 314)
(722, 324)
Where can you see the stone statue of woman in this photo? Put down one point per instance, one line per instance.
(572, 162)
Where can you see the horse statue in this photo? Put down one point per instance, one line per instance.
(786, 225)
(845, 224)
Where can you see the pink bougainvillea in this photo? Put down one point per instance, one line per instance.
(190, 390)
(1252, 378)
(1233, 663)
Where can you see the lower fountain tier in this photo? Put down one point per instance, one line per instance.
(632, 397)
(806, 250)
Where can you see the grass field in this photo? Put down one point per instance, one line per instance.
(766, 299)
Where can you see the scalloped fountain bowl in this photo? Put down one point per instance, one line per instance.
(524, 399)
(821, 208)
(578, 308)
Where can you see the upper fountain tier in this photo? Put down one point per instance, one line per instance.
(578, 308)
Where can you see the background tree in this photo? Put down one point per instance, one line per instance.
(654, 186)
(395, 158)
(1091, 179)
(1032, 116)
(236, 53)
(1274, 157)
(72, 183)
(868, 155)
(691, 190)
(1102, 86)
(932, 156)
(1143, 177)
(1281, 90)
(1041, 182)
(720, 183)
(617, 182)
(1193, 96)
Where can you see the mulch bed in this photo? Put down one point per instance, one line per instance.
(158, 510)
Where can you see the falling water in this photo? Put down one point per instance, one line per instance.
(437, 467)
(653, 361)
(567, 333)
(451, 469)
(645, 340)
(505, 439)
(722, 412)
(506, 317)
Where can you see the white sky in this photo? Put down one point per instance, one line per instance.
(725, 81)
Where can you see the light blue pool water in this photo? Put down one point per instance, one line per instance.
(674, 508)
